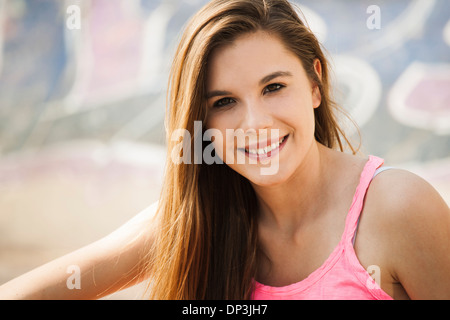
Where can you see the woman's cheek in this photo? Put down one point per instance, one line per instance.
(219, 148)
(217, 125)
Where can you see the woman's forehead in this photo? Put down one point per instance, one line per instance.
(251, 56)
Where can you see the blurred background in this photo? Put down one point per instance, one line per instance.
(82, 101)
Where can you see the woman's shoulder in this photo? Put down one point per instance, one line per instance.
(395, 189)
(405, 194)
(399, 200)
(409, 220)
(405, 201)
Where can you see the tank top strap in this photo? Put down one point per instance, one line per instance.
(367, 174)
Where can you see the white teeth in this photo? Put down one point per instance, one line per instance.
(266, 149)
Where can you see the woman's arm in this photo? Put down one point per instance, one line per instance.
(96, 270)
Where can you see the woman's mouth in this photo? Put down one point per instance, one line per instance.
(266, 151)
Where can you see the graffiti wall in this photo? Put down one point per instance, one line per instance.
(98, 70)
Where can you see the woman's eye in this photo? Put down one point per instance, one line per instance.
(273, 87)
(223, 102)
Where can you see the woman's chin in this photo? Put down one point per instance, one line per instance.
(264, 176)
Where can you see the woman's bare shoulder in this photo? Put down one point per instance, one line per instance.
(406, 194)
(414, 221)
(403, 198)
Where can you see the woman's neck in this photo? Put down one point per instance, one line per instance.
(286, 206)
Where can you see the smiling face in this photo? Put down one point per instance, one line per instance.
(255, 85)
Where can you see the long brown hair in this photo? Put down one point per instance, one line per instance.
(206, 243)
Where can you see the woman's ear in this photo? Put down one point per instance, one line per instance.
(316, 96)
(318, 68)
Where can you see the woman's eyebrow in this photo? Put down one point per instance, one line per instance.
(274, 75)
(269, 77)
(217, 93)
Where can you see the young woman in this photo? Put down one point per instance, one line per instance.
(321, 225)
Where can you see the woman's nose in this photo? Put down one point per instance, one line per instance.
(256, 116)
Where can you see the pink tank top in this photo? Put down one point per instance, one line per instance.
(341, 276)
